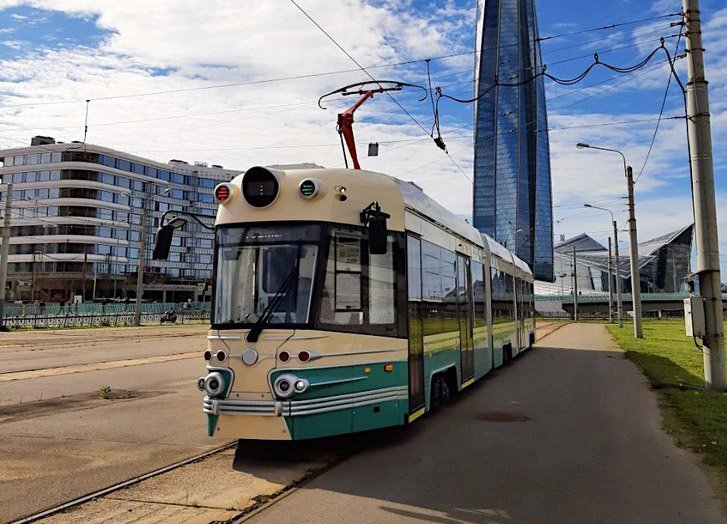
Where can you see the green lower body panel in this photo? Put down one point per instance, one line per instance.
(372, 416)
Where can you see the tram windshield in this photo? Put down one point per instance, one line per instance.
(259, 268)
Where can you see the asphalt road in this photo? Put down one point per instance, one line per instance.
(59, 439)
(568, 434)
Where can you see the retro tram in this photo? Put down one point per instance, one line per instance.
(345, 301)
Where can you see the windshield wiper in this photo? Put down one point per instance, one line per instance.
(255, 331)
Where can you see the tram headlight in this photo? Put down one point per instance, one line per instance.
(214, 383)
(287, 385)
(200, 383)
(260, 186)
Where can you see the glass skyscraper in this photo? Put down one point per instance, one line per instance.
(512, 193)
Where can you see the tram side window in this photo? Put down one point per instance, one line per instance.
(450, 319)
(414, 269)
(502, 289)
(432, 296)
(478, 287)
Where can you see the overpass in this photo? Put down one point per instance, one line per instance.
(653, 304)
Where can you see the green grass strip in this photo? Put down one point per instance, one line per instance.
(696, 418)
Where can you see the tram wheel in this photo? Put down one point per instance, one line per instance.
(441, 390)
(446, 393)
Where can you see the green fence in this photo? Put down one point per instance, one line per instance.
(23, 316)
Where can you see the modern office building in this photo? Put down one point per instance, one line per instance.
(664, 263)
(512, 199)
(76, 223)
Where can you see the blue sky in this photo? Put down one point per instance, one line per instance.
(54, 54)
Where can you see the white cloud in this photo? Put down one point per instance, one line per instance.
(226, 42)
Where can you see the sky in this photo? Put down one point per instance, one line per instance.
(237, 84)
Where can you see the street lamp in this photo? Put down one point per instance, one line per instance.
(619, 304)
(142, 253)
(634, 248)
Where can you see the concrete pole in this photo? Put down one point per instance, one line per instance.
(575, 286)
(634, 250)
(619, 302)
(610, 279)
(705, 209)
(5, 250)
(142, 263)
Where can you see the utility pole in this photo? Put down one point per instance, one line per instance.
(142, 262)
(610, 280)
(5, 250)
(634, 249)
(575, 286)
(705, 210)
(619, 302)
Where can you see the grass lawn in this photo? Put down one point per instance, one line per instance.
(696, 418)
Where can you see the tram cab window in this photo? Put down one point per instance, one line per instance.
(359, 288)
(259, 265)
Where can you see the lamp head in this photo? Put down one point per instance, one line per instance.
(581, 145)
(587, 205)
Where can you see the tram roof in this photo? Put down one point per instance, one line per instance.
(501, 251)
(415, 198)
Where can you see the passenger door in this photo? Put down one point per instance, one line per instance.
(416, 330)
(465, 310)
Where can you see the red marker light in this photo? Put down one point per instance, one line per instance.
(222, 192)
(283, 356)
(304, 356)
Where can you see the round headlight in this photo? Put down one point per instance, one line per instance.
(260, 186)
(284, 385)
(214, 384)
(301, 386)
(200, 383)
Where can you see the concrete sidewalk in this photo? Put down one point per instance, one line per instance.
(569, 433)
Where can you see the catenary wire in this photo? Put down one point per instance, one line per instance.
(661, 112)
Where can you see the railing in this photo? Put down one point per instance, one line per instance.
(625, 297)
(25, 316)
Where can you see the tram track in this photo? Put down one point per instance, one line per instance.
(121, 485)
(259, 501)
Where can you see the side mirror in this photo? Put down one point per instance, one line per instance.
(163, 242)
(378, 235)
(375, 219)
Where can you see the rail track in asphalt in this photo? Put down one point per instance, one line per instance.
(261, 502)
(121, 485)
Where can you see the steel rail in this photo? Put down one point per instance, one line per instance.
(121, 485)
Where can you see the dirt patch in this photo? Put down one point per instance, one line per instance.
(502, 416)
(40, 408)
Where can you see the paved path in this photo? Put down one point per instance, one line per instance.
(590, 451)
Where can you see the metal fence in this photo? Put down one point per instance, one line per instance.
(24, 316)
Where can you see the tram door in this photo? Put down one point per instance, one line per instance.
(521, 313)
(465, 311)
(416, 330)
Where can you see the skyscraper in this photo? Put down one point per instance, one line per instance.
(512, 193)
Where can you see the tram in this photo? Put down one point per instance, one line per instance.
(345, 301)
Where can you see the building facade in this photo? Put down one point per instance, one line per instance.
(76, 223)
(512, 199)
(664, 264)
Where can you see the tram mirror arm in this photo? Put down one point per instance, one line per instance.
(375, 219)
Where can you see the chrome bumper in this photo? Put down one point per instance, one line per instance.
(297, 408)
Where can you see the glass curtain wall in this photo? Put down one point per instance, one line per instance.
(512, 191)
